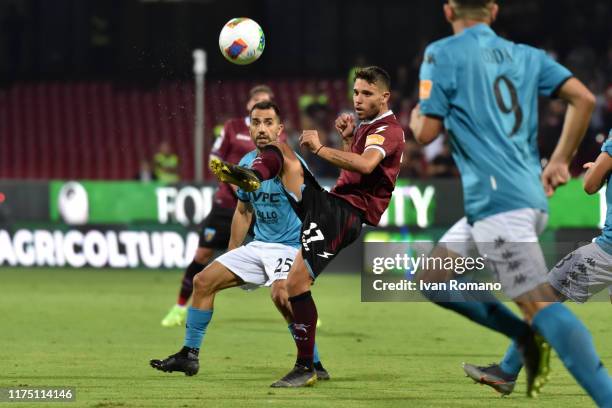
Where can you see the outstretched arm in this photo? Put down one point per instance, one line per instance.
(240, 224)
(363, 163)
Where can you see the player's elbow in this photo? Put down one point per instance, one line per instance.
(584, 99)
(366, 168)
(430, 129)
(587, 100)
(426, 134)
(590, 100)
(366, 165)
(577, 94)
(423, 138)
(590, 187)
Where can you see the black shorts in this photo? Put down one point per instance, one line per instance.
(329, 224)
(216, 228)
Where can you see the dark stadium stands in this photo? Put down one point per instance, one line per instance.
(101, 130)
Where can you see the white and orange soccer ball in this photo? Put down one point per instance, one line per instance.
(242, 41)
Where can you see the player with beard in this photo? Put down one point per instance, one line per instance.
(234, 142)
(263, 262)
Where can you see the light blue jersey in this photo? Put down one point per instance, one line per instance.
(605, 239)
(486, 89)
(275, 220)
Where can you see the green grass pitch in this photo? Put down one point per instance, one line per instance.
(96, 330)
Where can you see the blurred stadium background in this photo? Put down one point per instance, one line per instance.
(91, 89)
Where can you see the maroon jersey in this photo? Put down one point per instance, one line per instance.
(235, 141)
(371, 192)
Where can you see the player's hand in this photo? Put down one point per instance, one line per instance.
(588, 165)
(309, 139)
(555, 174)
(345, 125)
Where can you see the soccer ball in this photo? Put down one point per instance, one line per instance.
(241, 41)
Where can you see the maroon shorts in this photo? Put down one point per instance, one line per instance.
(329, 224)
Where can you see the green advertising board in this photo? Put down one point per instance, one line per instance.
(421, 204)
(110, 202)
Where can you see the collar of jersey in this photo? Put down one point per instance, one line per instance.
(384, 115)
(481, 27)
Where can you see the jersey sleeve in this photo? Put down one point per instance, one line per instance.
(437, 82)
(385, 139)
(221, 146)
(552, 75)
(607, 147)
(242, 195)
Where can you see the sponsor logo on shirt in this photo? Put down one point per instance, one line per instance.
(374, 139)
(425, 88)
(241, 136)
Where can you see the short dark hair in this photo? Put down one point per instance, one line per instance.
(261, 89)
(374, 75)
(265, 105)
(473, 3)
(474, 9)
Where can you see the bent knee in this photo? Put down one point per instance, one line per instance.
(278, 293)
(198, 280)
(295, 286)
(280, 298)
(202, 284)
